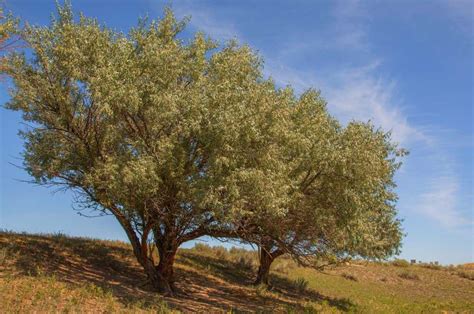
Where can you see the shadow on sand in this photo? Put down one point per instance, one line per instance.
(203, 283)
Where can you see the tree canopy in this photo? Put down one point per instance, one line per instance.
(341, 201)
(184, 138)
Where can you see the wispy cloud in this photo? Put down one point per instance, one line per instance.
(204, 20)
(356, 93)
(360, 94)
(348, 29)
(440, 202)
(462, 14)
(353, 91)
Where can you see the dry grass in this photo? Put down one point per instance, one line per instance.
(46, 294)
(55, 273)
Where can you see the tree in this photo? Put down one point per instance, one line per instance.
(342, 202)
(148, 128)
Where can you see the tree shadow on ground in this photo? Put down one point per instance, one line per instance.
(203, 283)
(78, 261)
(230, 272)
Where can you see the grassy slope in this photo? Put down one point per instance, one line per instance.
(57, 273)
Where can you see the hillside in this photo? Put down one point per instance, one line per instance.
(45, 273)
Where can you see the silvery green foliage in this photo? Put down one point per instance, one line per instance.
(8, 40)
(179, 139)
(146, 120)
(341, 200)
(172, 137)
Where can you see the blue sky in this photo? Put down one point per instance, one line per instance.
(405, 65)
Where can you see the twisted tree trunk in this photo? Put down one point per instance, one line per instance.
(267, 256)
(165, 271)
(263, 273)
(160, 276)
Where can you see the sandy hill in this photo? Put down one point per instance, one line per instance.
(52, 273)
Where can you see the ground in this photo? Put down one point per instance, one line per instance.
(45, 273)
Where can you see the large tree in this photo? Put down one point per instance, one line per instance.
(170, 137)
(178, 139)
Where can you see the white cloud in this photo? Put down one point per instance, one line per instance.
(359, 94)
(440, 202)
(348, 30)
(355, 93)
(204, 20)
(461, 13)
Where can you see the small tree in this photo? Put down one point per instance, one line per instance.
(170, 137)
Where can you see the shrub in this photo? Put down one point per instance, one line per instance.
(300, 284)
(93, 290)
(201, 247)
(244, 262)
(431, 266)
(3, 255)
(244, 259)
(466, 274)
(261, 290)
(349, 277)
(235, 251)
(220, 252)
(283, 265)
(155, 305)
(59, 235)
(451, 267)
(400, 263)
(409, 275)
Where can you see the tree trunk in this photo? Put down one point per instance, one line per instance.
(162, 276)
(159, 281)
(266, 260)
